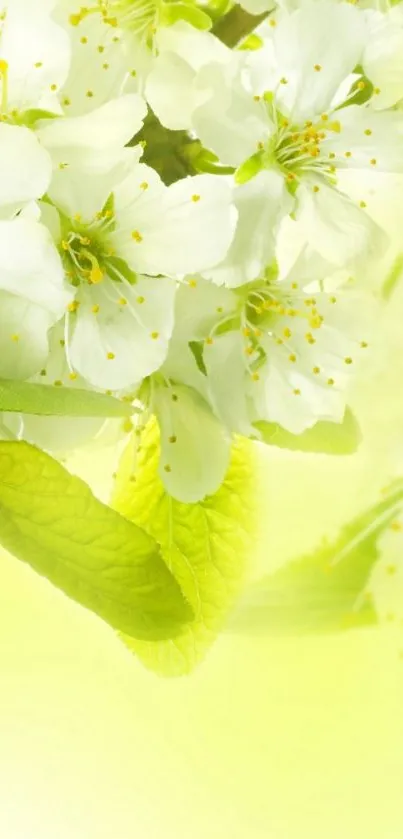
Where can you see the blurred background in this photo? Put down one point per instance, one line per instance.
(269, 739)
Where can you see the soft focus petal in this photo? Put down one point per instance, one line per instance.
(25, 167)
(195, 448)
(23, 336)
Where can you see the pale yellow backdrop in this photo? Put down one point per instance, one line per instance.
(268, 740)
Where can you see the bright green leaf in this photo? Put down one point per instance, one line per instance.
(206, 545)
(47, 400)
(250, 168)
(324, 591)
(51, 520)
(322, 438)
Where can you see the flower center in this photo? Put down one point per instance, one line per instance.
(87, 254)
(139, 17)
(298, 149)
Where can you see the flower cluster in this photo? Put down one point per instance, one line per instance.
(177, 222)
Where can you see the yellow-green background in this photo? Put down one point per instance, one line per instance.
(297, 739)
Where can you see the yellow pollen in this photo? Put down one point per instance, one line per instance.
(330, 382)
(137, 236)
(347, 154)
(348, 360)
(173, 438)
(368, 132)
(324, 117)
(209, 341)
(333, 299)
(15, 338)
(127, 426)
(195, 198)
(316, 370)
(377, 90)
(292, 357)
(363, 345)
(105, 66)
(272, 22)
(155, 335)
(297, 392)
(53, 86)
(287, 332)
(249, 350)
(167, 468)
(316, 189)
(95, 309)
(38, 64)
(361, 85)
(246, 332)
(96, 275)
(317, 67)
(373, 161)
(122, 301)
(192, 283)
(73, 376)
(89, 94)
(309, 337)
(144, 185)
(58, 383)
(283, 81)
(294, 285)
(110, 356)
(257, 98)
(255, 377)
(65, 245)
(363, 204)
(73, 306)
(140, 300)
(84, 40)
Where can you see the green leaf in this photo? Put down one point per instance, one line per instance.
(322, 438)
(51, 520)
(172, 12)
(206, 545)
(48, 400)
(250, 168)
(323, 591)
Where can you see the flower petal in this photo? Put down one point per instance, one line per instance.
(336, 227)
(25, 167)
(195, 448)
(226, 371)
(261, 205)
(23, 336)
(180, 229)
(121, 334)
(30, 266)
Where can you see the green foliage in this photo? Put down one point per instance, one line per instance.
(51, 520)
(324, 591)
(47, 400)
(323, 438)
(206, 545)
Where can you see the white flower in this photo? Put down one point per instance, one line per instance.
(288, 112)
(119, 326)
(114, 43)
(33, 296)
(34, 60)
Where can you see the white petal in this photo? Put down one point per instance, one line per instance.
(383, 57)
(305, 51)
(78, 140)
(195, 448)
(23, 336)
(182, 229)
(226, 371)
(261, 205)
(229, 122)
(99, 66)
(37, 51)
(116, 344)
(30, 266)
(171, 92)
(367, 140)
(336, 227)
(25, 167)
(199, 307)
